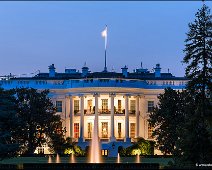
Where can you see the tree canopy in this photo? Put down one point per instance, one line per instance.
(39, 121)
(8, 124)
(166, 118)
(196, 136)
(182, 120)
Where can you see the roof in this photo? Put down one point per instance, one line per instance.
(107, 75)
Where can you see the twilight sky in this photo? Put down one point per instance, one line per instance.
(34, 35)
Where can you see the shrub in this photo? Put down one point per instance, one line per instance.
(141, 147)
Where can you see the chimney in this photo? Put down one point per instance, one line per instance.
(157, 70)
(124, 71)
(85, 70)
(51, 71)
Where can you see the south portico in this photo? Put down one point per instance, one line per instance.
(116, 108)
(118, 116)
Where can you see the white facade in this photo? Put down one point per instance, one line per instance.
(123, 105)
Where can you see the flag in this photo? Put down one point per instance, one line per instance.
(104, 34)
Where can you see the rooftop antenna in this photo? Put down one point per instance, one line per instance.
(141, 65)
(168, 70)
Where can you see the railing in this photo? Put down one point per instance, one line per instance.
(77, 111)
(120, 111)
(88, 111)
(104, 111)
(132, 112)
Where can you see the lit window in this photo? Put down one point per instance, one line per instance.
(150, 130)
(150, 106)
(89, 130)
(59, 106)
(132, 106)
(76, 106)
(119, 106)
(119, 130)
(89, 106)
(76, 130)
(104, 152)
(104, 129)
(132, 130)
(104, 105)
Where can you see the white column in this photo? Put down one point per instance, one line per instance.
(67, 115)
(81, 139)
(112, 136)
(143, 116)
(137, 117)
(127, 139)
(96, 95)
(71, 117)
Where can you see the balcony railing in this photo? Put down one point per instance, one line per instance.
(119, 111)
(132, 112)
(88, 111)
(104, 111)
(77, 111)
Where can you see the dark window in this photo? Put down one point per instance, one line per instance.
(59, 106)
(150, 106)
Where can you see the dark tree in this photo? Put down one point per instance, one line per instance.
(198, 52)
(38, 118)
(195, 142)
(166, 118)
(57, 141)
(8, 123)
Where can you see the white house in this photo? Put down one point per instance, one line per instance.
(122, 102)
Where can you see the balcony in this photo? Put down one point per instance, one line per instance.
(122, 112)
(104, 111)
(88, 111)
(76, 112)
(132, 112)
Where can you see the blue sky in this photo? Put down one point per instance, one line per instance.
(34, 35)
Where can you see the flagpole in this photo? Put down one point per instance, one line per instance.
(105, 60)
(104, 34)
(106, 51)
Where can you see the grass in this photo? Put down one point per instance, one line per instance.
(20, 160)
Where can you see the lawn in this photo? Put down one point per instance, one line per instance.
(20, 160)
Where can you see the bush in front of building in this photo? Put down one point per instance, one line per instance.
(70, 147)
(76, 150)
(141, 147)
